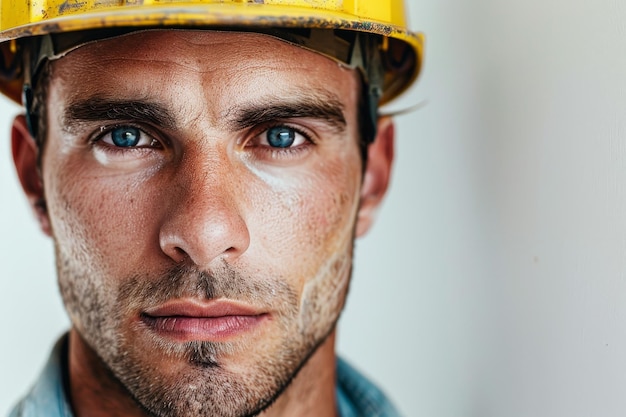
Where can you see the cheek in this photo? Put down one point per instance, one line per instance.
(99, 222)
(305, 222)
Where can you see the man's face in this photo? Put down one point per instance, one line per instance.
(202, 190)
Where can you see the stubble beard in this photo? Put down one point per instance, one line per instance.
(204, 386)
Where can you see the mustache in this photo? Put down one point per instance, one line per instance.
(184, 281)
(181, 281)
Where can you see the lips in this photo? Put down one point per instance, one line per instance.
(192, 320)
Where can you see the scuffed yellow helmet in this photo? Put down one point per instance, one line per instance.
(56, 26)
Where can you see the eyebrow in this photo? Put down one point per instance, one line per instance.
(316, 106)
(99, 109)
(273, 109)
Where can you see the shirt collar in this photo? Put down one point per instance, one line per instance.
(359, 397)
(47, 397)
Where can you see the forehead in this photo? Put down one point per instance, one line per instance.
(189, 44)
(222, 65)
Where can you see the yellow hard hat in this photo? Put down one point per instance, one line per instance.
(400, 49)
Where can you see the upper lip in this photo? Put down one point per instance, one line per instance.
(203, 309)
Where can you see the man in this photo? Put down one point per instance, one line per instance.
(203, 171)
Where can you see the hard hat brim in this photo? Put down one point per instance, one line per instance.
(245, 15)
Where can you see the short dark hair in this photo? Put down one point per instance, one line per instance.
(37, 114)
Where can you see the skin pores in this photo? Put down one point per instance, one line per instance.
(170, 193)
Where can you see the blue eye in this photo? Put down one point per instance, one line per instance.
(281, 136)
(125, 136)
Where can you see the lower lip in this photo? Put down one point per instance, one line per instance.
(185, 329)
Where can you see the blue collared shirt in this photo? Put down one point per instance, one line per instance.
(356, 396)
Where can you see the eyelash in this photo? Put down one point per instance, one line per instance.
(97, 139)
(275, 152)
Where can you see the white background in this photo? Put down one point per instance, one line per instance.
(494, 283)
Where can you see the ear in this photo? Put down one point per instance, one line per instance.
(25, 152)
(377, 174)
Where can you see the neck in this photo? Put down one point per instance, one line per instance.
(312, 392)
(94, 392)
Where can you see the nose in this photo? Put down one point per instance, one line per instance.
(204, 222)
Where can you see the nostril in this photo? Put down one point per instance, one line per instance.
(229, 253)
(179, 254)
